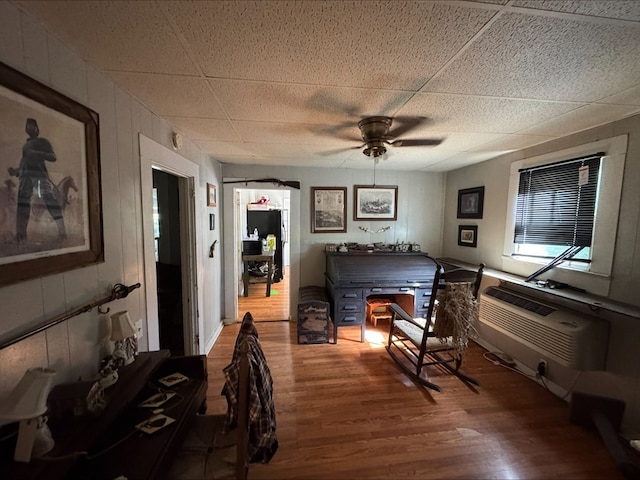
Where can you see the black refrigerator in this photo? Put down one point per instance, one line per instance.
(269, 222)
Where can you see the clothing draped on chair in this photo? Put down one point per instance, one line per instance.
(263, 442)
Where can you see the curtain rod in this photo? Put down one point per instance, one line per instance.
(118, 291)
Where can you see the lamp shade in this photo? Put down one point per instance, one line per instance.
(29, 398)
(121, 326)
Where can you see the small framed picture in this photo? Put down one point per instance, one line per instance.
(212, 221)
(211, 195)
(374, 202)
(470, 202)
(468, 235)
(328, 209)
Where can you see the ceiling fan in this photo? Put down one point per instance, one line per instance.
(377, 134)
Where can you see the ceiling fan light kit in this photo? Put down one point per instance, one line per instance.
(376, 134)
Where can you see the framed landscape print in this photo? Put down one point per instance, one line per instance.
(470, 202)
(328, 209)
(50, 193)
(468, 235)
(373, 202)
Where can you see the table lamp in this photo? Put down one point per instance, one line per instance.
(123, 333)
(27, 403)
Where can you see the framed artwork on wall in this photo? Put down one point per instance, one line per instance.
(470, 202)
(374, 202)
(211, 195)
(328, 209)
(50, 196)
(468, 235)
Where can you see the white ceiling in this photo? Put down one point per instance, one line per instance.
(284, 82)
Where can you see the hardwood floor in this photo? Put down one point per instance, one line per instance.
(263, 308)
(346, 411)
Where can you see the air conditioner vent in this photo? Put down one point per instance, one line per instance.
(519, 301)
(572, 339)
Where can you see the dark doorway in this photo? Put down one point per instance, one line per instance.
(168, 261)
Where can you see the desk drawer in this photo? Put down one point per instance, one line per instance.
(388, 290)
(349, 307)
(348, 294)
(422, 300)
(345, 319)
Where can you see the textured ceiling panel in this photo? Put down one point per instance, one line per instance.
(483, 114)
(528, 56)
(205, 128)
(172, 95)
(630, 96)
(365, 43)
(285, 82)
(116, 35)
(509, 143)
(278, 102)
(582, 119)
(290, 133)
(621, 9)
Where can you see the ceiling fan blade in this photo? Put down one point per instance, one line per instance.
(419, 142)
(405, 124)
(328, 153)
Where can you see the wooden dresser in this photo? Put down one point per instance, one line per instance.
(108, 445)
(352, 277)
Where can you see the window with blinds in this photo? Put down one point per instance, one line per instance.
(555, 207)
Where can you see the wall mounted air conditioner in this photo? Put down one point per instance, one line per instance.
(570, 338)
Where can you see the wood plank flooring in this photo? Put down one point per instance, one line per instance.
(263, 308)
(346, 411)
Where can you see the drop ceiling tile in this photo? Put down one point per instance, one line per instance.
(482, 114)
(400, 160)
(451, 141)
(528, 56)
(254, 149)
(171, 95)
(290, 133)
(509, 143)
(459, 161)
(630, 96)
(204, 128)
(116, 35)
(346, 43)
(289, 103)
(581, 119)
(621, 9)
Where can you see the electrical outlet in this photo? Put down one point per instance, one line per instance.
(543, 368)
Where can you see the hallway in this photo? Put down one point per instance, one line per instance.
(263, 308)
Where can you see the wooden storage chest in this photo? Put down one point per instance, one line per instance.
(313, 315)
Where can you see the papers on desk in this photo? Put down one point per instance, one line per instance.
(173, 379)
(155, 423)
(156, 400)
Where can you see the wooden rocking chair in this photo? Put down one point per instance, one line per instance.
(441, 337)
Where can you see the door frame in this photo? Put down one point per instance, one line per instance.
(153, 155)
(232, 246)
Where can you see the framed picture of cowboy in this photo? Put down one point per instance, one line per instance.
(50, 201)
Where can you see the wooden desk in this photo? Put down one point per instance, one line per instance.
(246, 280)
(107, 445)
(350, 278)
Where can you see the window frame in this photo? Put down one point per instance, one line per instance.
(593, 276)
